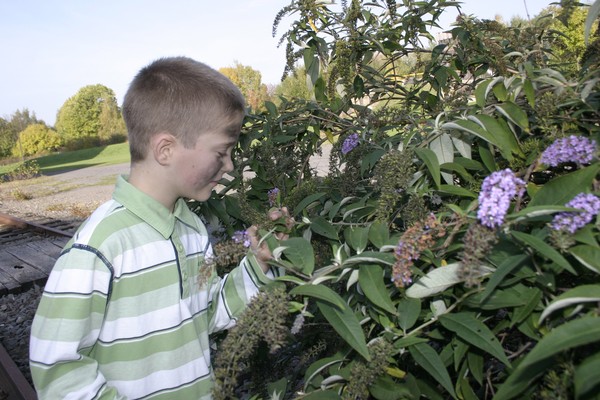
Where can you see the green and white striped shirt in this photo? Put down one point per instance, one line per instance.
(129, 306)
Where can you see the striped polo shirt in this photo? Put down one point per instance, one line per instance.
(128, 308)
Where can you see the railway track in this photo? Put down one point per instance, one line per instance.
(29, 250)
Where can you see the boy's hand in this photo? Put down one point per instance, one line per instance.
(262, 251)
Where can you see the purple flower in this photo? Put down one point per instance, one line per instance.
(577, 149)
(273, 195)
(241, 237)
(350, 143)
(572, 221)
(497, 190)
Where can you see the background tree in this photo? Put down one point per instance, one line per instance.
(36, 139)
(89, 118)
(294, 86)
(11, 127)
(249, 81)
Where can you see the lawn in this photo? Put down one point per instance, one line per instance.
(103, 155)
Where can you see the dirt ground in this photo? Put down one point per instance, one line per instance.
(67, 195)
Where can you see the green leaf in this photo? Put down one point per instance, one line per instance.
(586, 376)
(431, 362)
(456, 191)
(588, 256)
(385, 388)
(347, 326)
(370, 257)
(379, 234)
(432, 163)
(481, 93)
(357, 237)
(444, 150)
(408, 310)
(320, 292)
(544, 249)
(488, 158)
(474, 332)
(529, 92)
(563, 188)
(579, 332)
(306, 201)
(472, 128)
(505, 138)
(579, 294)
(506, 267)
(436, 281)
(300, 253)
(323, 227)
(459, 169)
(370, 278)
(514, 114)
(537, 211)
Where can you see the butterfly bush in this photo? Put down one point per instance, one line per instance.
(572, 221)
(273, 196)
(241, 237)
(497, 190)
(577, 149)
(350, 143)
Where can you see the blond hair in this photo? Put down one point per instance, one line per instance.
(177, 95)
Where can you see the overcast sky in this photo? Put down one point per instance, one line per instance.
(52, 48)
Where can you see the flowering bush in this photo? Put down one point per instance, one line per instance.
(455, 252)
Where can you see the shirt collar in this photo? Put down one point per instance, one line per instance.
(150, 210)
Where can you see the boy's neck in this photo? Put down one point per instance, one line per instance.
(149, 181)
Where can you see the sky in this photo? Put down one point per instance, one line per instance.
(52, 48)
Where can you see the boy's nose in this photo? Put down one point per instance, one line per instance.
(228, 164)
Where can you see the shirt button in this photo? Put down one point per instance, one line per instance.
(179, 247)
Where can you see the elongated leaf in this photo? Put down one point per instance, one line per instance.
(474, 332)
(462, 146)
(504, 137)
(347, 326)
(431, 362)
(589, 256)
(370, 278)
(457, 191)
(579, 332)
(562, 189)
(591, 17)
(357, 237)
(300, 253)
(586, 377)
(514, 114)
(320, 292)
(444, 150)
(408, 310)
(543, 248)
(379, 234)
(432, 163)
(436, 281)
(306, 201)
(506, 267)
(481, 93)
(579, 294)
(370, 257)
(324, 228)
(537, 211)
(472, 128)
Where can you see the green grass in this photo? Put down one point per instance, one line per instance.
(103, 155)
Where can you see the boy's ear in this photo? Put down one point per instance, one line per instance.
(163, 145)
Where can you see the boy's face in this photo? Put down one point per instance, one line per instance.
(197, 170)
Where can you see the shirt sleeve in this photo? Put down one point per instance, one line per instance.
(231, 293)
(66, 326)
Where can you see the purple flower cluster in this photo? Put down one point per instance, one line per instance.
(350, 143)
(577, 149)
(241, 237)
(572, 221)
(273, 195)
(497, 190)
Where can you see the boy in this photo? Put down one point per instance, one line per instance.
(129, 306)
